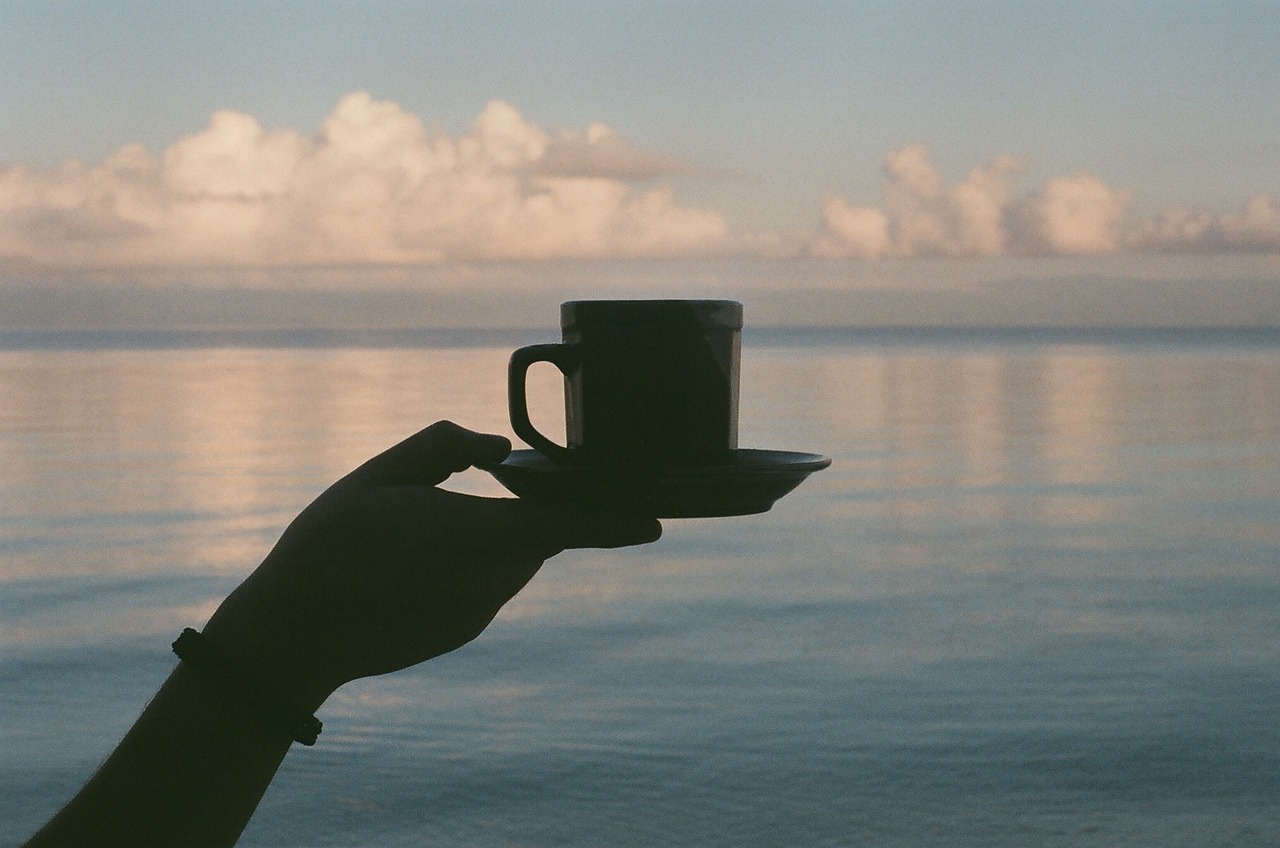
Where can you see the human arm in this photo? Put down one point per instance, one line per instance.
(382, 571)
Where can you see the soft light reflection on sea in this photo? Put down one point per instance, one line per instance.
(1035, 601)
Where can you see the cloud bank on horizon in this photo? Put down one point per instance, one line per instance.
(374, 186)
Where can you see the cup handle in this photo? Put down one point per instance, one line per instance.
(562, 356)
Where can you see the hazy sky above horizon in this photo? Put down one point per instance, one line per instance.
(273, 134)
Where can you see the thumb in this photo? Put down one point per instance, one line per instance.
(429, 456)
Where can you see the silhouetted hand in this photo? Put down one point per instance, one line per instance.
(385, 570)
(380, 572)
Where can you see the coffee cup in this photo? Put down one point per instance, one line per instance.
(650, 383)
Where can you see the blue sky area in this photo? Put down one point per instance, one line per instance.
(161, 138)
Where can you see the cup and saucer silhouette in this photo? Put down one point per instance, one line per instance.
(651, 416)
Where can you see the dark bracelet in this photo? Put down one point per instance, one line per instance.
(195, 652)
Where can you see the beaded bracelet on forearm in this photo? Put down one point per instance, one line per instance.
(202, 657)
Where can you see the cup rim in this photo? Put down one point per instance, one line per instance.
(710, 313)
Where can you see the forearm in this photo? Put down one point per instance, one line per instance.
(190, 772)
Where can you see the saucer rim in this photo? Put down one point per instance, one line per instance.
(757, 461)
(689, 492)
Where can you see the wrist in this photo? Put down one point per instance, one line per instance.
(268, 704)
(269, 647)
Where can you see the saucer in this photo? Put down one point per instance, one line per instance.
(751, 482)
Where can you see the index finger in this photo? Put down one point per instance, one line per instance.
(431, 455)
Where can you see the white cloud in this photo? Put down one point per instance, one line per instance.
(1072, 215)
(1255, 227)
(923, 216)
(855, 232)
(929, 219)
(373, 186)
(1078, 214)
(978, 216)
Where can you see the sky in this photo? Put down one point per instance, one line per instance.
(202, 141)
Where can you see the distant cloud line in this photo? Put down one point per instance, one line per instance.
(375, 186)
(1065, 216)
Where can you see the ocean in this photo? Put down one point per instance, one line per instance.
(1035, 601)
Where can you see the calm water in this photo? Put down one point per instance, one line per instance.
(1035, 601)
